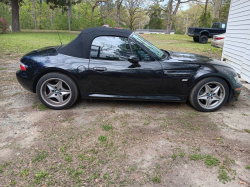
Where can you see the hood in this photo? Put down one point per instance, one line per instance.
(190, 58)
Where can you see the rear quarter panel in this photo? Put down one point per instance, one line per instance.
(75, 68)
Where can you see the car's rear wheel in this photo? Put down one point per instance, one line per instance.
(203, 39)
(196, 39)
(57, 91)
(209, 94)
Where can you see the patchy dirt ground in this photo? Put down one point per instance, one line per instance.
(119, 143)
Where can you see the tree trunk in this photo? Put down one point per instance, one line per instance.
(220, 10)
(119, 3)
(51, 18)
(174, 14)
(40, 14)
(169, 16)
(186, 26)
(69, 14)
(92, 14)
(15, 16)
(118, 16)
(205, 14)
(102, 14)
(34, 14)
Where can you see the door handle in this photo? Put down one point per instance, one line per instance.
(100, 68)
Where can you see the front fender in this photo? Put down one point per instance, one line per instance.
(225, 73)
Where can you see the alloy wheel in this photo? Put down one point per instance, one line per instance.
(211, 95)
(55, 92)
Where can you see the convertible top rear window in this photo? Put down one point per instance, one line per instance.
(148, 45)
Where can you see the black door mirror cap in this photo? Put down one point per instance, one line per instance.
(133, 59)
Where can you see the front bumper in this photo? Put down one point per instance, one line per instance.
(191, 34)
(24, 80)
(234, 95)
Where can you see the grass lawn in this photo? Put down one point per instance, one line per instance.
(24, 42)
(21, 43)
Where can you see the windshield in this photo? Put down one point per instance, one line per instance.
(149, 46)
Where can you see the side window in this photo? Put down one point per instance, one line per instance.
(110, 48)
(223, 25)
(141, 53)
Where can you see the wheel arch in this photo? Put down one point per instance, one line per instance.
(205, 32)
(230, 87)
(52, 70)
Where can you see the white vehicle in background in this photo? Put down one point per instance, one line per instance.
(218, 40)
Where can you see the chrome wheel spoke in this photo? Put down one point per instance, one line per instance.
(50, 86)
(207, 88)
(59, 85)
(59, 98)
(208, 102)
(216, 90)
(216, 98)
(51, 95)
(65, 92)
(203, 96)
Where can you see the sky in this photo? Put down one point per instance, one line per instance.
(183, 6)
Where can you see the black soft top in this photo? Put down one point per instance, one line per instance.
(80, 46)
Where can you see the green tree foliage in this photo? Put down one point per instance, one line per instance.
(3, 25)
(134, 14)
(155, 22)
(62, 4)
(225, 10)
(15, 5)
(5, 12)
(208, 20)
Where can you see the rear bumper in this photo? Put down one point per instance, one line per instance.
(24, 80)
(217, 43)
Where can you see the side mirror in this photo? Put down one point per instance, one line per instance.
(133, 59)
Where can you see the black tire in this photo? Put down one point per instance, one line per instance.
(212, 101)
(57, 91)
(196, 39)
(203, 39)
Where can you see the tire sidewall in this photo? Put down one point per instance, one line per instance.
(69, 81)
(201, 39)
(199, 85)
(196, 39)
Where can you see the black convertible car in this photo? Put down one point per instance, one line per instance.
(107, 63)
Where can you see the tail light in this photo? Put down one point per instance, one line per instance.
(219, 38)
(23, 67)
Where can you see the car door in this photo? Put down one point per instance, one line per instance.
(112, 73)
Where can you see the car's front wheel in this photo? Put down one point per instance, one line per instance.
(209, 94)
(57, 91)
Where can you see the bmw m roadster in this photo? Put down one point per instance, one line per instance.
(108, 63)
